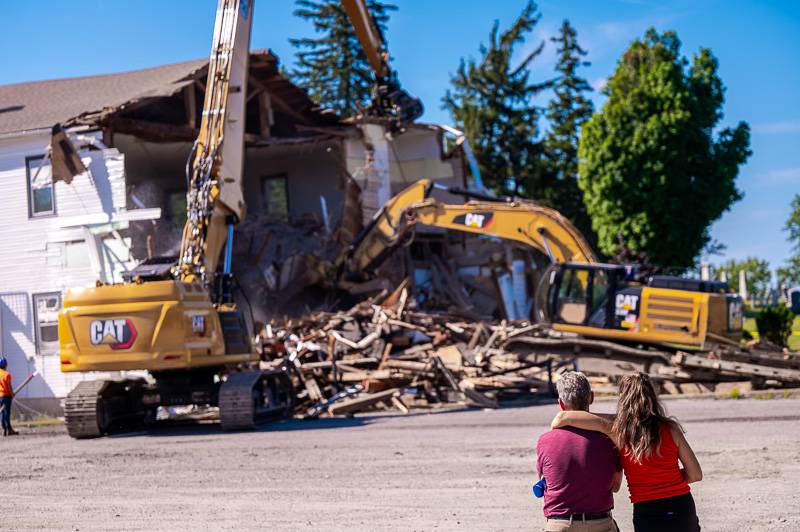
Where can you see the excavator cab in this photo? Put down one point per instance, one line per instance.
(587, 294)
(607, 300)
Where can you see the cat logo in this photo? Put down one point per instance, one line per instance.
(116, 333)
(626, 304)
(479, 220)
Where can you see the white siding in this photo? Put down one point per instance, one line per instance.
(39, 255)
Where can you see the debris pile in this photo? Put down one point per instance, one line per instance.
(385, 353)
(274, 261)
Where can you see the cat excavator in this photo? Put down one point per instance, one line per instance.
(576, 294)
(178, 321)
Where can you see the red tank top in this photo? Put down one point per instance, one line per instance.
(659, 475)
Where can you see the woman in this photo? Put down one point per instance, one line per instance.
(651, 446)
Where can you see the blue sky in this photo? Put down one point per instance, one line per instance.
(756, 42)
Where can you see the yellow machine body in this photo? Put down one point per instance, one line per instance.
(594, 300)
(153, 326)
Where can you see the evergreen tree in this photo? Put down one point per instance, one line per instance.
(567, 112)
(492, 102)
(789, 274)
(654, 174)
(332, 66)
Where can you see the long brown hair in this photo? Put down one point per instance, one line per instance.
(637, 427)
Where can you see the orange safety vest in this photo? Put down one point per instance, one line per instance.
(5, 384)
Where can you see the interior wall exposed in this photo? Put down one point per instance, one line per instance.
(156, 170)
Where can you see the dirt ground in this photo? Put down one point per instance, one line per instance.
(469, 470)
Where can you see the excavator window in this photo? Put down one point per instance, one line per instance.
(572, 296)
(585, 294)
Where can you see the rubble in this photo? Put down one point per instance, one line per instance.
(386, 353)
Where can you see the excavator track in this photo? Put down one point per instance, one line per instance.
(248, 398)
(83, 410)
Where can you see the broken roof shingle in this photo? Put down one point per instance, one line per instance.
(41, 104)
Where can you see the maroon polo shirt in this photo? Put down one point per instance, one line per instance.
(578, 466)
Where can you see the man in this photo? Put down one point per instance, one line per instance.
(582, 468)
(6, 394)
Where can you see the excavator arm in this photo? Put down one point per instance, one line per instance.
(542, 228)
(389, 100)
(214, 201)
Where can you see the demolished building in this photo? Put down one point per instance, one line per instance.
(308, 175)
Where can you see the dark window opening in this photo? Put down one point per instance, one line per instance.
(275, 195)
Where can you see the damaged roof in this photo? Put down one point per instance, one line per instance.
(41, 104)
(91, 99)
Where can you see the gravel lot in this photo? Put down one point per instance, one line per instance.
(468, 470)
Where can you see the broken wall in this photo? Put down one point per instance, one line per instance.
(307, 169)
(414, 155)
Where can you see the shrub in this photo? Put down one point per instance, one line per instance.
(775, 324)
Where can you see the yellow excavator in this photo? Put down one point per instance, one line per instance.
(576, 294)
(178, 321)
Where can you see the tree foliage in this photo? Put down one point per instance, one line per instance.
(775, 324)
(789, 274)
(492, 101)
(758, 274)
(332, 67)
(567, 112)
(651, 169)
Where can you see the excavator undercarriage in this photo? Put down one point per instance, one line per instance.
(245, 399)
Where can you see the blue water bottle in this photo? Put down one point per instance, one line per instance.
(539, 487)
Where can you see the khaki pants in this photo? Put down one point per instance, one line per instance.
(595, 525)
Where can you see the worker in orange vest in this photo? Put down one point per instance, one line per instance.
(6, 395)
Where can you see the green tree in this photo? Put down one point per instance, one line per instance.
(492, 102)
(759, 275)
(332, 67)
(789, 274)
(774, 324)
(654, 175)
(567, 112)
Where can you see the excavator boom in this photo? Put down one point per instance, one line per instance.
(526, 222)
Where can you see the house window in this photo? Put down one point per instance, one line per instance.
(41, 196)
(275, 192)
(45, 309)
(177, 207)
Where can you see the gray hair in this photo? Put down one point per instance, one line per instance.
(574, 390)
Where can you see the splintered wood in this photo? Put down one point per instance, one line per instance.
(384, 354)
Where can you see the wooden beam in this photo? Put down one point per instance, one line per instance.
(278, 102)
(153, 131)
(265, 117)
(252, 94)
(362, 402)
(108, 137)
(736, 368)
(190, 105)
